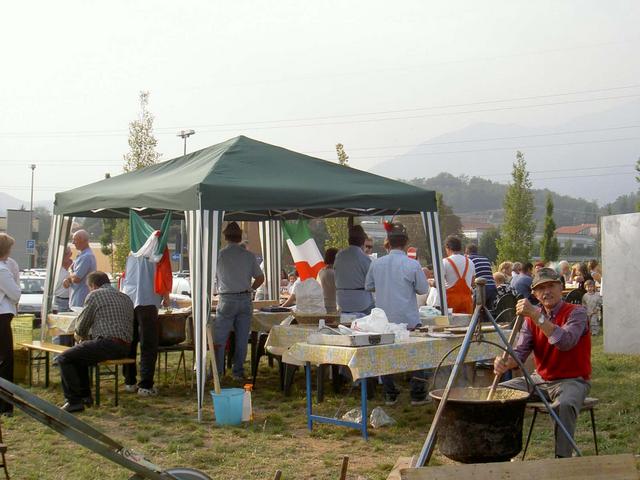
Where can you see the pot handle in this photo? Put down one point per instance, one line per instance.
(435, 373)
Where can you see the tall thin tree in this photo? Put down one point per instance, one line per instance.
(142, 153)
(337, 228)
(549, 247)
(516, 235)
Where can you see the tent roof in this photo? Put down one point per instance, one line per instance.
(249, 180)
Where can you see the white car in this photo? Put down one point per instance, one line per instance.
(32, 288)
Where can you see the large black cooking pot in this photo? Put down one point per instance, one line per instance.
(172, 328)
(474, 430)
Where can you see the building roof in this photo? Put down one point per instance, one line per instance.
(582, 229)
(473, 225)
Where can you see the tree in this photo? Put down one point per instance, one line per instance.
(487, 244)
(106, 239)
(142, 142)
(142, 153)
(337, 228)
(450, 223)
(516, 237)
(549, 248)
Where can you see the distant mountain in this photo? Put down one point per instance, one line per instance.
(560, 162)
(477, 198)
(9, 202)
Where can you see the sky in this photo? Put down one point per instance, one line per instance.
(302, 75)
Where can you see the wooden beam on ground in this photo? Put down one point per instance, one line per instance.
(610, 467)
(401, 463)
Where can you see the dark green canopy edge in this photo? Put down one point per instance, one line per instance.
(249, 180)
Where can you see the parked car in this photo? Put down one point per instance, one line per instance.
(32, 288)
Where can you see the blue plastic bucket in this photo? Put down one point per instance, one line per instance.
(227, 406)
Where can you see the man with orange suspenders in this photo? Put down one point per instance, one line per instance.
(458, 276)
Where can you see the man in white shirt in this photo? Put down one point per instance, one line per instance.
(396, 279)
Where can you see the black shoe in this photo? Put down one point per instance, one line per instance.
(390, 398)
(7, 413)
(87, 401)
(72, 407)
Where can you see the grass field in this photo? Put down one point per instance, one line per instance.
(166, 430)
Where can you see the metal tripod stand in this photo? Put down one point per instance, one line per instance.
(473, 331)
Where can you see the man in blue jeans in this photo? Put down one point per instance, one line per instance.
(238, 275)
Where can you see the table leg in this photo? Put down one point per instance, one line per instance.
(46, 370)
(97, 385)
(363, 405)
(307, 370)
(30, 374)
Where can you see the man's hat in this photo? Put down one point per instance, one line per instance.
(232, 229)
(545, 275)
(395, 230)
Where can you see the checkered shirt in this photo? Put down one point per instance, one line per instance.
(107, 314)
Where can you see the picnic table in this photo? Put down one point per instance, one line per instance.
(416, 353)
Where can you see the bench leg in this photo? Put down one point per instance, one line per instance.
(116, 383)
(533, 421)
(97, 369)
(46, 370)
(30, 373)
(593, 427)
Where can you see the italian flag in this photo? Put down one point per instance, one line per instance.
(303, 249)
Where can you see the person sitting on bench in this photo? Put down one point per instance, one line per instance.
(105, 330)
(558, 335)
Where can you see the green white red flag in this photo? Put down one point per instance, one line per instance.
(303, 248)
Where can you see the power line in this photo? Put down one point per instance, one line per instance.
(522, 147)
(50, 187)
(107, 163)
(514, 137)
(214, 127)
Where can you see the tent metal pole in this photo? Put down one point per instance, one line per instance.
(58, 237)
(432, 229)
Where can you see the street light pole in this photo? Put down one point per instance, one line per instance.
(32, 256)
(184, 134)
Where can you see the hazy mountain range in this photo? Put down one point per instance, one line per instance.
(591, 156)
(13, 203)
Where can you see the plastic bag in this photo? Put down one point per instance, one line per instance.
(377, 322)
(353, 415)
(379, 418)
(309, 297)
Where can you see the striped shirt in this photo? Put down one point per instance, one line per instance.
(107, 313)
(483, 269)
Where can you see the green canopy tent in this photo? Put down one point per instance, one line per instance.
(239, 179)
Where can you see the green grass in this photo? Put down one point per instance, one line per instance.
(166, 430)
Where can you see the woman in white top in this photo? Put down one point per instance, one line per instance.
(9, 297)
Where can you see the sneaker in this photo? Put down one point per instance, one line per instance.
(390, 398)
(421, 401)
(148, 392)
(131, 388)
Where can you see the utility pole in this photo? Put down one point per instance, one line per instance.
(32, 256)
(184, 134)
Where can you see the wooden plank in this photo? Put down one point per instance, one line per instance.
(45, 347)
(402, 462)
(611, 467)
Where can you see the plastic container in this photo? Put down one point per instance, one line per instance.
(247, 409)
(22, 329)
(227, 406)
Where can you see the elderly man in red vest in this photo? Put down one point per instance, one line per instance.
(558, 335)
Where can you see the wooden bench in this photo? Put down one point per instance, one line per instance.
(39, 353)
(611, 467)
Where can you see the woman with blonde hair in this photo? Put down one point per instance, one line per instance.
(506, 268)
(9, 297)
